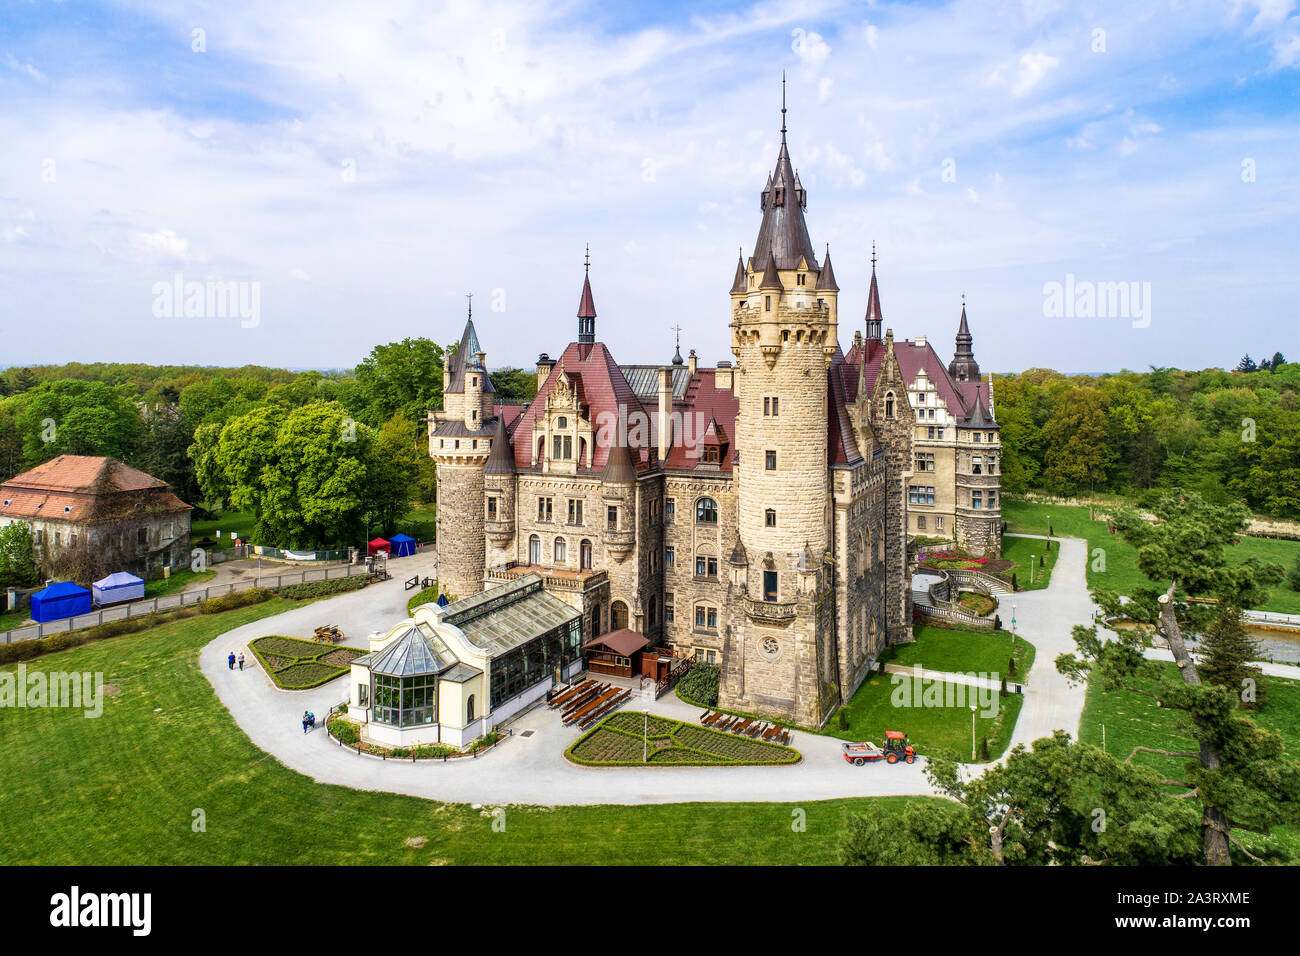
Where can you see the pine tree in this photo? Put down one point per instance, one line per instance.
(1228, 653)
(1247, 364)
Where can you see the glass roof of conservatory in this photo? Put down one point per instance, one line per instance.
(505, 617)
(410, 654)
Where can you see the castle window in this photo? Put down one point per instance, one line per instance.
(611, 517)
(771, 460)
(930, 434)
(668, 607)
(769, 586)
(976, 499)
(977, 465)
(976, 437)
(706, 511)
(712, 454)
(920, 522)
(769, 518)
(993, 465)
(939, 434)
(938, 523)
(584, 555)
(889, 405)
(799, 279)
(767, 303)
(772, 406)
(924, 461)
(670, 556)
(575, 511)
(785, 335)
(706, 567)
(920, 495)
(670, 508)
(561, 422)
(993, 500)
(561, 551)
(473, 415)
(543, 509)
(706, 617)
(534, 549)
(492, 509)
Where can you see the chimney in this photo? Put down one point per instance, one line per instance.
(723, 379)
(665, 424)
(544, 366)
(691, 362)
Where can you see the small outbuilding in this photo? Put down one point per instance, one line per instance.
(616, 653)
(118, 587)
(403, 544)
(61, 599)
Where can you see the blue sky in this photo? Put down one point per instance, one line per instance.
(367, 165)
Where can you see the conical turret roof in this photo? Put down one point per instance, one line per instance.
(501, 460)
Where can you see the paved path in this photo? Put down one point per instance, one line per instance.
(1290, 671)
(532, 770)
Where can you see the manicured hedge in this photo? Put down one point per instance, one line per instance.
(699, 685)
(313, 589)
(296, 664)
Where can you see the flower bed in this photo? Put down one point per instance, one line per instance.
(349, 734)
(298, 665)
(623, 738)
(951, 561)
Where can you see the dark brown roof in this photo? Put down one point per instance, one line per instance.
(624, 642)
(783, 232)
(501, 460)
(618, 467)
(770, 278)
(587, 305)
(738, 284)
(826, 281)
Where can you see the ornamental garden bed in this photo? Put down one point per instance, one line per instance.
(348, 734)
(622, 740)
(296, 664)
(981, 605)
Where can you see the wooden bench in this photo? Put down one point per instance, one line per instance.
(588, 708)
(568, 693)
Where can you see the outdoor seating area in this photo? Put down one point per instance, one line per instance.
(745, 727)
(329, 634)
(588, 701)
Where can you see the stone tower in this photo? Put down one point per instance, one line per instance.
(460, 445)
(783, 334)
(499, 486)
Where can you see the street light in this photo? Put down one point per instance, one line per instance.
(972, 733)
(645, 738)
(1013, 625)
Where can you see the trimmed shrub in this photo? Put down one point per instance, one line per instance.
(700, 685)
(427, 595)
(228, 602)
(312, 589)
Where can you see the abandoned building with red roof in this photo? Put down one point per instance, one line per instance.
(92, 516)
(754, 515)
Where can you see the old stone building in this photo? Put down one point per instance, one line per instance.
(753, 514)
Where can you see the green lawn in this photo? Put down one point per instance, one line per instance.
(1024, 552)
(1131, 719)
(966, 651)
(123, 790)
(932, 729)
(178, 581)
(1119, 571)
(11, 619)
(228, 523)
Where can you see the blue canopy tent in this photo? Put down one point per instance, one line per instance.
(403, 544)
(442, 600)
(61, 599)
(121, 586)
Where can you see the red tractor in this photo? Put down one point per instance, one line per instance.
(896, 748)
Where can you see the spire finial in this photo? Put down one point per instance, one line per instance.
(470, 297)
(677, 358)
(783, 106)
(873, 255)
(586, 264)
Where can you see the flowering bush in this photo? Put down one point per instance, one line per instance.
(950, 560)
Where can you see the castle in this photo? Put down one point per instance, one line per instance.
(755, 515)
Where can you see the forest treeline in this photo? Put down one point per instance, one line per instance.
(1225, 434)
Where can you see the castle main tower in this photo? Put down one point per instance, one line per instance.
(783, 334)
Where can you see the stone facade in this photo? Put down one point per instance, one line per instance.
(751, 515)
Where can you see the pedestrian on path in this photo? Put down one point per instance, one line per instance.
(241, 660)
(230, 661)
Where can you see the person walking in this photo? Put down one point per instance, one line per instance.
(230, 661)
(241, 660)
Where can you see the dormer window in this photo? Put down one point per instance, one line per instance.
(712, 454)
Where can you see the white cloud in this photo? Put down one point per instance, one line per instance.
(1033, 67)
(164, 243)
(1286, 51)
(811, 48)
(26, 69)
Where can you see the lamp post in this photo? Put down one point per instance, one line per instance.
(645, 738)
(972, 733)
(1013, 625)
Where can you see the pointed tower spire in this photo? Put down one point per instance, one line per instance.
(874, 315)
(501, 460)
(738, 283)
(826, 280)
(963, 366)
(587, 306)
(784, 233)
(771, 279)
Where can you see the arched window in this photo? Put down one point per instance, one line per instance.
(561, 551)
(889, 404)
(584, 555)
(469, 709)
(706, 511)
(534, 550)
(617, 616)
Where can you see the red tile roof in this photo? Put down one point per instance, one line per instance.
(706, 404)
(77, 487)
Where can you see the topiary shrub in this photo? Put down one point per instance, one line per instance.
(1011, 667)
(700, 685)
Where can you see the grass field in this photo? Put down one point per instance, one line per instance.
(1024, 552)
(124, 789)
(420, 523)
(931, 729)
(178, 581)
(1131, 719)
(966, 651)
(1120, 571)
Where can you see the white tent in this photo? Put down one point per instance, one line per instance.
(117, 588)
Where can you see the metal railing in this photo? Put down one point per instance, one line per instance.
(170, 602)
